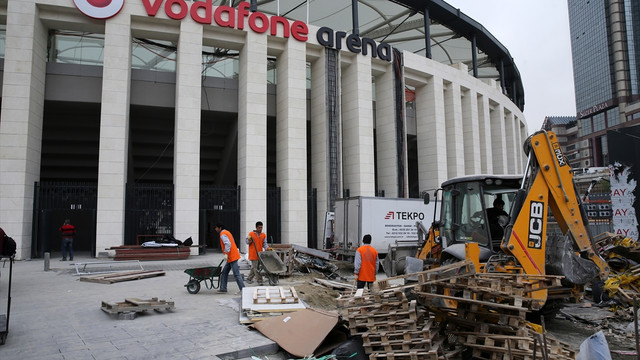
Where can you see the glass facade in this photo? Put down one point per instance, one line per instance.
(632, 18)
(156, 55)
(589, 45)
(74, 47)
(3, 39)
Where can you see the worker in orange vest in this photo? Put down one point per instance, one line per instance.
(232, 255)
(257, 243)
(365, 265)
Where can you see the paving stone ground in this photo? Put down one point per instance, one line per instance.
(55, 316)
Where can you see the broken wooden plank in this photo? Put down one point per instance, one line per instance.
(122, 276)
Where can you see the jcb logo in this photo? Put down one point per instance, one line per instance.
(536, 215)
(559, 155)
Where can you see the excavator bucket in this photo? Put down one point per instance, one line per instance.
(562, 260)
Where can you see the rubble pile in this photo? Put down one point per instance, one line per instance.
(451, 310)
(623, 256)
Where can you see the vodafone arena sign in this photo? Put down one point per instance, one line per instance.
(99, 9)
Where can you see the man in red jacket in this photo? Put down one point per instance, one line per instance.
(68, 231)
(232, 255)
(365, 265)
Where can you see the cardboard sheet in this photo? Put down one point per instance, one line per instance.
(299, 333)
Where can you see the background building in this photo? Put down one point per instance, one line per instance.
(605, 42)
(166, 117)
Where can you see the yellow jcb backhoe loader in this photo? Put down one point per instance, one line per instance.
(473, 225)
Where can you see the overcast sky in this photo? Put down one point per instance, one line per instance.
(536, 33)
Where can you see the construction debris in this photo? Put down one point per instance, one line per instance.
(623, 256)
(262, 302)
(452, 309)
(122, 276)
(131, 307)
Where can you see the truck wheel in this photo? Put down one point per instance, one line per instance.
(193, 287)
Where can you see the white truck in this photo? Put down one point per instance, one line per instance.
(391, 223)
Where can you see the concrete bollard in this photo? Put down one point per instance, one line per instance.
(47, 261)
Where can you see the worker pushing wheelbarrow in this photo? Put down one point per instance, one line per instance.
(210, 275)
(262, 261)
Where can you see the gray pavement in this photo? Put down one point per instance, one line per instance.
(56, 316)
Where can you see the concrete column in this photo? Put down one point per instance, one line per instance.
(498, 147)
(484, 123)
(114, 132)
(320, 141)
(510, 133)
(291, 144)
(357, 127)
(186, 160)
(522, 137)
(252, 133)
(386, 137)
(431, 134)
(470, 126)
(453, 124)
(21, 121)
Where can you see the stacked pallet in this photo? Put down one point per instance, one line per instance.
(390, 325)
(486, 313)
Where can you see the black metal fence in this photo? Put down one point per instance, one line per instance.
(274, 211)
(54, 202)
(219, 204)
(312, 219)
(148, 211)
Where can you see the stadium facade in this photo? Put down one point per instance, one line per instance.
(147, 117)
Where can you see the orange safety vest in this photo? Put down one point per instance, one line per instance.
(258, 240)
(368, 256)
(233, 254)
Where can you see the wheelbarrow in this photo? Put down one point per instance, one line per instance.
(210, 275)
(272, 266)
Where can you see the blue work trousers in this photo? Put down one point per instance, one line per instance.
(224, 277)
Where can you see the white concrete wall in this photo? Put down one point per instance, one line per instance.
(252, 133)
(21, 121)
(186, 161)
(291, 141)
(114, 133)
(357, 127)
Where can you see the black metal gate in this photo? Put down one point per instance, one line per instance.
(148, 211)
(274, 215)
(312, 219)
(219, 204)
(53, 202)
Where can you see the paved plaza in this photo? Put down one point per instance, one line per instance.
(56, 316)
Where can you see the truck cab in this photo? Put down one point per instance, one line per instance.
(468, 213)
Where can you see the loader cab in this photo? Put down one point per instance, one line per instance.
(468, 213)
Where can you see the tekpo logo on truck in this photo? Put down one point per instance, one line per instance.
(404, 215)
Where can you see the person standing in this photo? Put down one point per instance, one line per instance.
(366, 263)
(68, 232)
(232, 255)
(257, 243)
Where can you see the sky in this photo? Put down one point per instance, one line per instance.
(536, 34)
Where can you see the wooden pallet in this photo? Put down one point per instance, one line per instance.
(122, 276)
(399, 340)
(130, 252)
(275, 295)
(133, 305)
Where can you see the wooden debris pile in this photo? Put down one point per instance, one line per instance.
(451, 310)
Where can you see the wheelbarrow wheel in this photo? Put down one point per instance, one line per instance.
(193, 286)
(273, 279)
